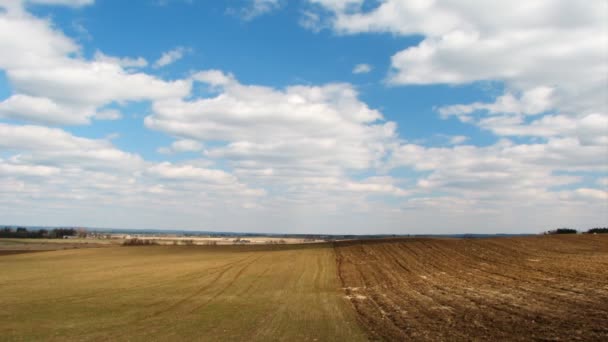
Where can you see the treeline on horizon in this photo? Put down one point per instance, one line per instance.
(24, 233)
(60, 233)
(602, 230)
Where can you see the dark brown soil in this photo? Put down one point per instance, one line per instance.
(533, 288)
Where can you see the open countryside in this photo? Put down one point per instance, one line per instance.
(303, 170)
(548, 287)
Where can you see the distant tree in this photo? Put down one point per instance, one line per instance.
(598, 231)
(562, 231)
(59, 233)
(21, 232)
(24, 233)
(7, 232)
(139, 242)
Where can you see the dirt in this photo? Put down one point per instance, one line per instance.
(530, 288)
(19, 247)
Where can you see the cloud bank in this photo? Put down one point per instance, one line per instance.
(316, 157)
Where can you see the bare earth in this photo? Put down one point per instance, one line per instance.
(547, 288)
(533, 288)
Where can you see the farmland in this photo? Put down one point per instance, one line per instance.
(548, 288)
(175, 293)
(545, 287)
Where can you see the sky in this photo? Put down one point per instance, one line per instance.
(309, 116)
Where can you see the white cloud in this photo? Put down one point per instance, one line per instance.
(316, 158)
(529, 45)
(301, 143)
(108, 114)
(311, 20)
(171, 56)
(39, 109)
(552, 58)
(72, 3)
(125, 62)
(601, 195)
(473, 180)
(458, 139)
(255, 8)
(531, 102)
(324, 126)
(51, 146)
(51, 168)
(362, 69)
(48, 76)
(184, 145)
(588, 129)
(214, 77)
(7, 169)
(168, 2)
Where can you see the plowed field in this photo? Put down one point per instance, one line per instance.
(532, 288)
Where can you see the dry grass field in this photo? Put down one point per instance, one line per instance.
(532, 288)
(255, 293)
(529, 288)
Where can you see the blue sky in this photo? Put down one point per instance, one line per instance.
(274, 50)
(334, 116)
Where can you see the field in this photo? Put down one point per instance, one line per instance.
(256, 293)
(18, 246)
(542, 288)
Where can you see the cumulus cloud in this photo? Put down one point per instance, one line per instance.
(255, 8)
(184, 145)
(171, 56)
(531, 102)
(362, 69)
(551, 58)
(300, 142)
(316, 158)
(52, 84)
(52, 146)
(550, 54)
(302, 126)
(125, 62)
(588, 129)
(48, 166)
(108, 114)
(72, 3)
(458, 139)
(504, 176)
(214, 77)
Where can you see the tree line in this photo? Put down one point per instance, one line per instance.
(602, 230)
(24, 233)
